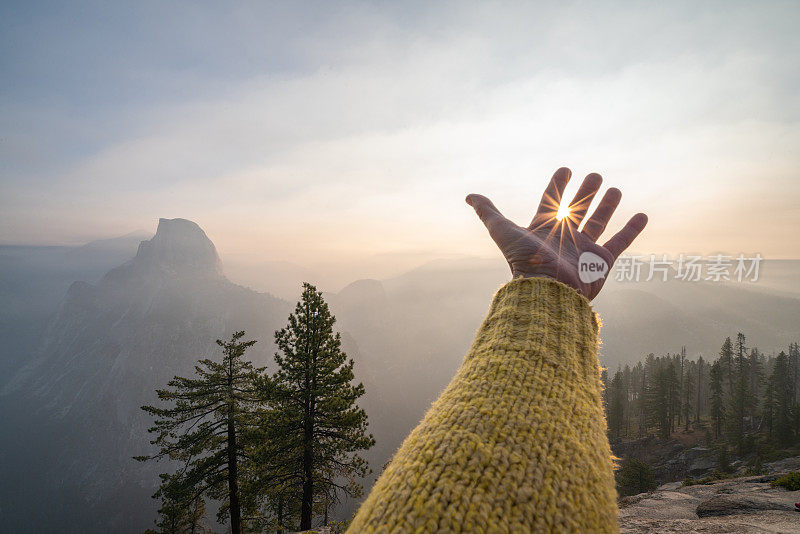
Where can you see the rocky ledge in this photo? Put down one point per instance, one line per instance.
(737, 505)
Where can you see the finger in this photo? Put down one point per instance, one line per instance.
(551, 198)
(494, 221)
(596, 224)
(583, 198)
(622, 239)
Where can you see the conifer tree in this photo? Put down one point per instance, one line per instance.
(206, 429)
(641, 404)
(768, 410)
(663, 399)
(717, 400)
(740, 395)
(681, 362)
(616, 406)
(315, 419)
(700, 381)
(755, 384)
(793, 364)
(783, 393)
(794, 370)
(688, 395)
(726, 363)
(627, 382)
(177, 515)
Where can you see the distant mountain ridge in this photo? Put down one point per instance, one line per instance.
(33, 281)
(103, 354)
(71, 406)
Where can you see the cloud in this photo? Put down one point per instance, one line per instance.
(387, 120)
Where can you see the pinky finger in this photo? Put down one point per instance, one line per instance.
(622, 239)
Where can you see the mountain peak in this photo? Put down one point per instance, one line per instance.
(180, 245)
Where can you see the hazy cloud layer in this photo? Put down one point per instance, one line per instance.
(323, 133)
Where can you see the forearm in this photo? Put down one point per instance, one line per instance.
(517, 440)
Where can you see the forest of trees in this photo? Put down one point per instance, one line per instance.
(742, 400)
(274, 451)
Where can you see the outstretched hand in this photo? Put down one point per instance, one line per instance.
(552, 247)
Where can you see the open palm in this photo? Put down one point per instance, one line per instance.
(551, 247)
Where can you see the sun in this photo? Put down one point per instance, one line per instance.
(563, 211)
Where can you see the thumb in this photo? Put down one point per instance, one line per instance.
(483, 207)
(494, 221)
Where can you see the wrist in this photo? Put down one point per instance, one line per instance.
(516, 273)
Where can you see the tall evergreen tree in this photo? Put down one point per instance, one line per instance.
(717, 397)
(663, 399)
(768, 410)
(616, 406)
(688, 395)
(627, 381)
(793, 363)
(680, 363)
(726, 363)
(315, 419)
(698, 407)
(641, 404)
(755, 371)
(740, 396)
(205, 428)
(783, 394)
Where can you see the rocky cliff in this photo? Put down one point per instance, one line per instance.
(746, 505)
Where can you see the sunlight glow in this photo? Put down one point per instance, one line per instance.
(563, 211)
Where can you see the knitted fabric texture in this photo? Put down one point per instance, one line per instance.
(517, 441)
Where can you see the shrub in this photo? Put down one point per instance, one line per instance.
(338, 527)
(791, 482)
(634, 477)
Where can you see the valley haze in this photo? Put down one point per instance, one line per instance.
(111, 321)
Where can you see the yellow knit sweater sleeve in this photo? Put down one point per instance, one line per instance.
(517, 441)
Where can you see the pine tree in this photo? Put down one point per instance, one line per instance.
(688, 395)
(316, 421)
(783, 394)
(206, 428)
(673, 391)
(627, 382)
(793, 362)
(768, 410)
(700, 381)
(755, 384)
(663, 399)
(681, 359)
(641, 400)
(177, 515)
(717, 397)
(740, 396)
(726, 363)
(616, 406)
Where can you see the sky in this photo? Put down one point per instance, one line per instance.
(349, 133)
